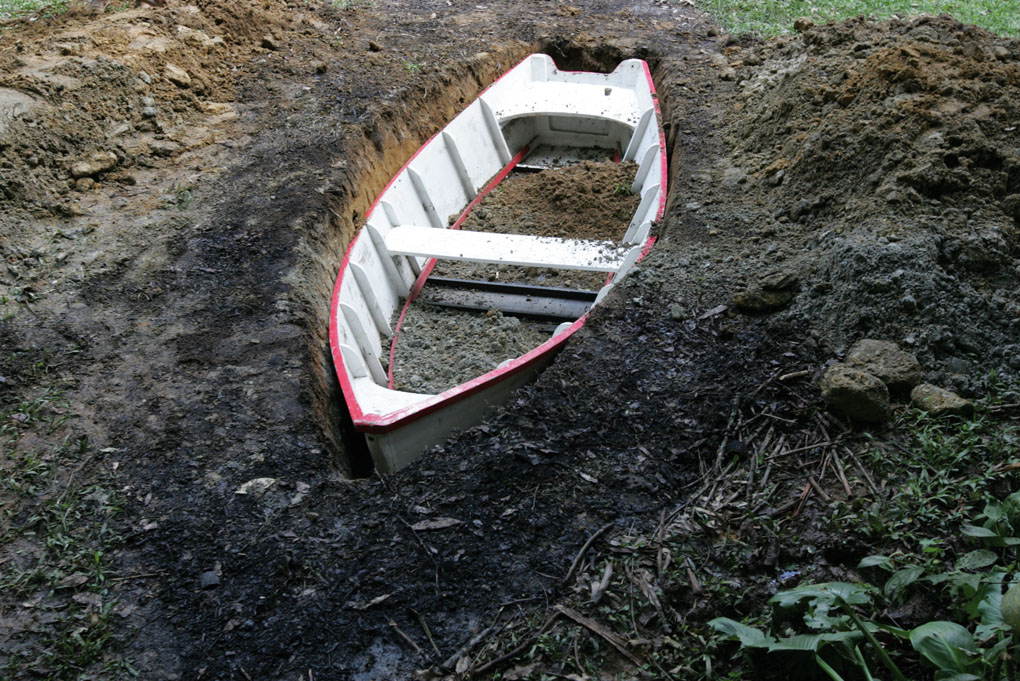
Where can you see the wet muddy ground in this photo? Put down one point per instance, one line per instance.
(178, 187)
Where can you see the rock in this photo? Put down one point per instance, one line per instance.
(177, 75)
(802, 24)
(83, 184)
(373, 46)
(1011, 206)
(257, 487)
(163, 147)
(98, 162)
(899, 370)
(857, 394)
(760, 300)
(940, 402)
(733, 176)
(773, 292)
(779, 281)
(209, 580)
(270, 43)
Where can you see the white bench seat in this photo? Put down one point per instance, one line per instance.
(509, 249)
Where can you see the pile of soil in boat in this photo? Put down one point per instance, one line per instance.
(439, 348)
(588, 200)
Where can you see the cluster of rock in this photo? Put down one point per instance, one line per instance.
(874, 373)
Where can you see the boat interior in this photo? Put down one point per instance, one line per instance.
(535, 116)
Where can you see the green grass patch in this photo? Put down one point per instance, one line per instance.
(14, 9)
(777, 16)
(56, 536)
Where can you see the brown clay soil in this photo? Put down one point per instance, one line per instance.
(590, 200)
(178, 185)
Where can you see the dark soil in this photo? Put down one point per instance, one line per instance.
(184, 287)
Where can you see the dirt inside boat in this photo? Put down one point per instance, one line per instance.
(178, 185)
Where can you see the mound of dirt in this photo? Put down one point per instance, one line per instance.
(875, 168)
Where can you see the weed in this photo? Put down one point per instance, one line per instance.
(180, 195)
(350, 4)
(57, 512)
(412, 66)
(621, 189)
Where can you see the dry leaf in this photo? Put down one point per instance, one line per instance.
(435, 524)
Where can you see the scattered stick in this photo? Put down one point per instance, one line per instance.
(803, 497)
(841, 474)
(130, 577)
(424, 547)
(798, 450)
(661, 536)
(595, 627)
(695, 584)
(863, 470)
(425, 628)
(417, 648)
(818, 488)
(584, 549)
(451, 662)
(70, 478)
(795, 374)
(599, 589)
(726, 433)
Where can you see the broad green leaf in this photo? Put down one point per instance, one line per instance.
(813, 642)
(875, 561)
(967, 582)
(854, 594)
(947, 645)
(986, 604)
(975, 531)
(956, 676)
(993, 538)
(748, 636)
(994, 511)
(975, 560)
(901, 579)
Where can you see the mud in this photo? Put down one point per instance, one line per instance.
(182, 294)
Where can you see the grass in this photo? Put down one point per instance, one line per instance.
(13, 9)
(777, 16)
(55, 531)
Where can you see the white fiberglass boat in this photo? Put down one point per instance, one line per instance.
(534, 112)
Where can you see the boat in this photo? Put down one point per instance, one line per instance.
(534, 114)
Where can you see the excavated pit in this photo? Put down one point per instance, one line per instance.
(373, 160)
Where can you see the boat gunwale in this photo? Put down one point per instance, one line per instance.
(374, 423)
